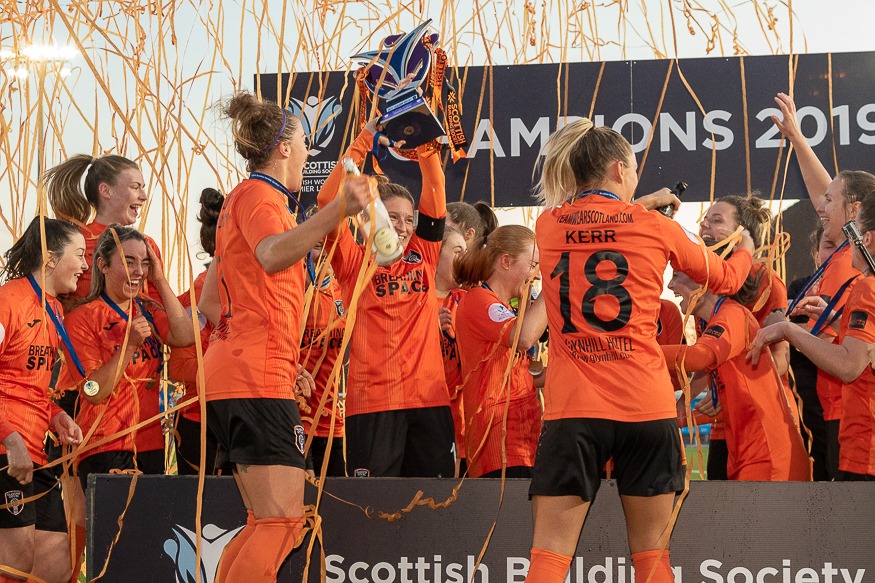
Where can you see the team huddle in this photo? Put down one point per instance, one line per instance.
(297, 356)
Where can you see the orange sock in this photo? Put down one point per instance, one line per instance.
(233, 548)
(77, 547)
(261, 557)
(548, 567)
(656, 561)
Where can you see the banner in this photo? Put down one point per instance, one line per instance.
(728, 532)
(712, 106)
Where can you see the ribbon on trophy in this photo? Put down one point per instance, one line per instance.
(408, 113)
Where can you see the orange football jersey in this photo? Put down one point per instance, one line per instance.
(483, 331)
(603, 262)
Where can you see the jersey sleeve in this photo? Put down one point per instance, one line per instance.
(687, 254)
(5, 429)
(357, 151)
(695, 358)
(8, 321)
(490, 319)
(671, 324)
(346, 255)
(259, 218)
(724, 337)
(861, 318)
(433, 200)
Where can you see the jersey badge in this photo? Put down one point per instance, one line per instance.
(412, 257)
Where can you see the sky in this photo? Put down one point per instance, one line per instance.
(167, 91)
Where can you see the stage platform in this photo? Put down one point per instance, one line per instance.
(727, 532)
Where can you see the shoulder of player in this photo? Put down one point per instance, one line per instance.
(250, 194)
(94, 312)
(862, 291)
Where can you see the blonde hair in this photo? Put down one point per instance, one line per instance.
(575, 157)
(478, 263)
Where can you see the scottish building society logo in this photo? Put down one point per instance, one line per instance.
(317, 120)
(182, 550)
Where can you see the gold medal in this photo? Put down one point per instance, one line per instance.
(91, 388)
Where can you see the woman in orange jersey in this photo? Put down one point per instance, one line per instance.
(33, 535)
(848, 358)
(473, 221)
(113, 188)
(398, 419)
(763, 293)
(183, 363)
(449, 294)
(252, 368)
(761, 433)
(837, 201)
(502, 410)
(670, 325)
(603, 260)
(320, 350)
(118, 335)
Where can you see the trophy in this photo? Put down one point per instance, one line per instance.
(406, 112)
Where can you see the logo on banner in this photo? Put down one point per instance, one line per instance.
(182, 550)
(13, 499)
(317, 121)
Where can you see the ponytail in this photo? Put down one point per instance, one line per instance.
(64, 184)
(478, 264)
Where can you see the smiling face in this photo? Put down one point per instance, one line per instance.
(64, 268)
(122, 201)
(454, 245)
(719, 222)
(401, 214)
(124, 275)
(298, 152)
(522, 268)
(683, 287)
(834, 212)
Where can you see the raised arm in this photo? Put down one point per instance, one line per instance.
(357, 151)
(181, 331)
(816, 177)
(433, 201)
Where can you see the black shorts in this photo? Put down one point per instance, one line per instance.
(105, 462)
(316, 457)
(410, 443)
(718, 460)
(46, 513)
(258, 432)
(188, 448)
(647, 456)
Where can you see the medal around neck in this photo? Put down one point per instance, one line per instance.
(406, 114)
(387, 246)
(91, 388)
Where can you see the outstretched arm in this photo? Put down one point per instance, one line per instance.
(816, 177)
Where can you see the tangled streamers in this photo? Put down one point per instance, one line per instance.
(139, 78)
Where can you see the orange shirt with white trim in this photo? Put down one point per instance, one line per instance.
(394, 360)
(182, 364)
(670, 326)
(320, 351)
(761, 433)
(603, 262)
(254, 349)
(453, 369)
(839, 270)
(857, 427)
(28, 351)
(484, 326)
(97, 332)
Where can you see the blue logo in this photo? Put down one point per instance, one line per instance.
(317, 120)
(182, 551)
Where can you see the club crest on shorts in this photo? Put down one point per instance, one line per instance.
(338, 306)
(412, 257)
(361, 473)
(300, 438)
(14, 500)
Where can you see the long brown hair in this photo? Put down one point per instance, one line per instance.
(106, 248)
(70, 199)
(26, 255)
(478, 216)
(478, 264)
(258, 126)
